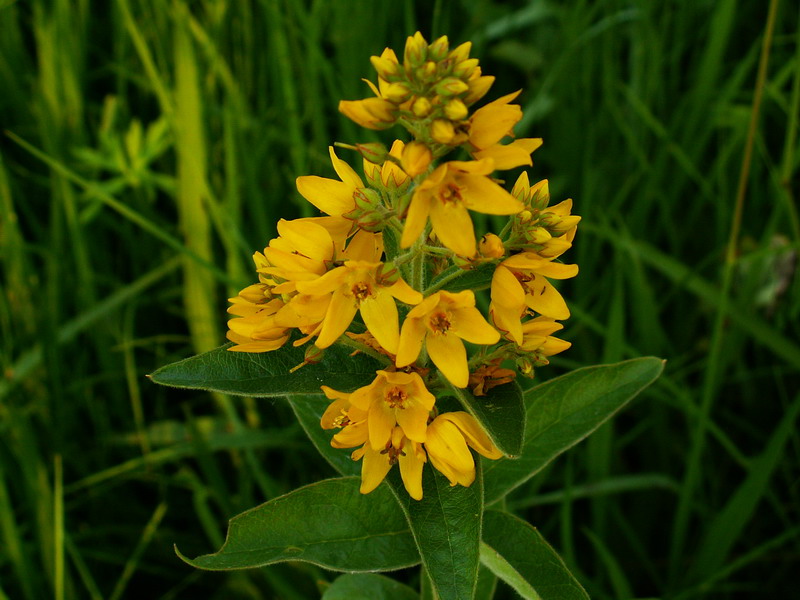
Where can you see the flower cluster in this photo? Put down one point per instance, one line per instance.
(392, 252)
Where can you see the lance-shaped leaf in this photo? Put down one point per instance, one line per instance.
(328, 523)
(268, 374)
(520, 556)
(446, 525)
(563, 411)
(456, 279)
(501, 412)
(308, 410)
(368, 585)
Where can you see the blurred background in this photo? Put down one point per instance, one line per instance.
(148, 148)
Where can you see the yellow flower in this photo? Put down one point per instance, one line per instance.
(254, 329)
(445, 196)
(359, 286)
(520, 283)
(441, 322)
(389, 419)
(372, 113)
(449, 436)
(332, 197)
(490, 124)
(390, 174)
(536, 337)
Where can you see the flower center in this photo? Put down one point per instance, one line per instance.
(393, 453)
(439, 323)
(342, 420)
(361, 290)
(450, 193)
(395, 397)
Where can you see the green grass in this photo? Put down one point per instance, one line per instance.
(148, 148)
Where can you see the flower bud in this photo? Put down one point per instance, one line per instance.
(461, 53)
(374, 152)
(438, 49)
(397, 92)
(540, 195)
(313, 355)
(387, 69)
(442, 131)
(537, 235)
(421, 107)
(455, 110)
(366, 199)
(416, 158)
(451, 86)
(416, 51)
(491, 246)
(478, 88)
(387, 274)
(465, 68)
(370, 220)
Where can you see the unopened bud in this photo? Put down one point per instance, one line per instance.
(416, 158)
(388, 274)
(387, 69)
(461, 53)
(525, 367)
(313, 355)
(442, 131)
(456, 110)
(371, 220)
(421, 107)
(478, 87)
(491, 246)
(540, 195)
(397, 92)
(451, 86)
(438, 49)
(537, 235)
(416, 51)
(525, 216)
(366, 199)
(373, 152)
(465, 68)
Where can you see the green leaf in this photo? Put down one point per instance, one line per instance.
(308, 410)
(501, 412)
(446, 525)
(367, 586)
(456, 279)
(563, 411)
(519, 555)
(267, 374)
(328, 523)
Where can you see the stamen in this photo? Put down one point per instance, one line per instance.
(361, 290)
(439, 323)
(395, 397)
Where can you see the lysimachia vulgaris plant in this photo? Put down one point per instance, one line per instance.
(397, 333)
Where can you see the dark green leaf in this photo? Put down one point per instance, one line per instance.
(456, 279)
(501, 412)
(520, 556)
(308, 410)
(563, 411)
(267, 374)
(328, 523)
(367, 586)
(446, 525)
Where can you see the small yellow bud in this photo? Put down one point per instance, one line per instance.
(397, 92)
(416, 158)
(451, 86)
(442, 131)
(455, 110)
(313, 355)
(491, 246)
(461, 53)
(421, 107)
(387, 69)
(478, 88)
(428, 70)
(416, 50)
(525, 216)
(540, 195)
(438, 48)
(538, 235)
(465, 68)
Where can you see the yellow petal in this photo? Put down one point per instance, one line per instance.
(446, 443)
(555, 270)
(354, 434)
(380, 317)
(381, 422)
(485, 196)
(474, 435)
(413, 420)
(364, 246)
(410, 345)
(469, 324)
(554, 345)
(308, 238)
(453, 225)
(373, 469)
(405, 293)
(510, 156)
(326, 284)
(448, 353)
(340, 314)
(411, 462)
(416, 218)
(345, 171)
(507, 291)
(334, 410)
(545, 299)
(330, 196)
